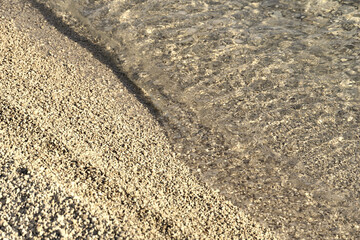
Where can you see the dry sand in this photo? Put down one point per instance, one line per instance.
(81, 157)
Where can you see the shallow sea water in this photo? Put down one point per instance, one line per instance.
(261, 98)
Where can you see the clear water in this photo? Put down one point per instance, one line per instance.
(261, 98)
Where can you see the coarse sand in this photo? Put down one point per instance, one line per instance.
(82, 158)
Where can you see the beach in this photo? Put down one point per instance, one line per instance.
(82, 157)
(259, 98)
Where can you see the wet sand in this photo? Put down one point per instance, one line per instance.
(81, 157)
(260, 97)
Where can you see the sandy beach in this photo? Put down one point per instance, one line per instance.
(82, 158)
(260, 98)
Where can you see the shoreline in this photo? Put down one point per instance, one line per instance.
(82, 157)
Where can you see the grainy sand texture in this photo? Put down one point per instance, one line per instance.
(82, 158)
(261, 97)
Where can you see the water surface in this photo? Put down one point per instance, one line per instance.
(260, 97)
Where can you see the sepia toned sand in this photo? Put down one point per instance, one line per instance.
(261, 98)
(81, 157)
